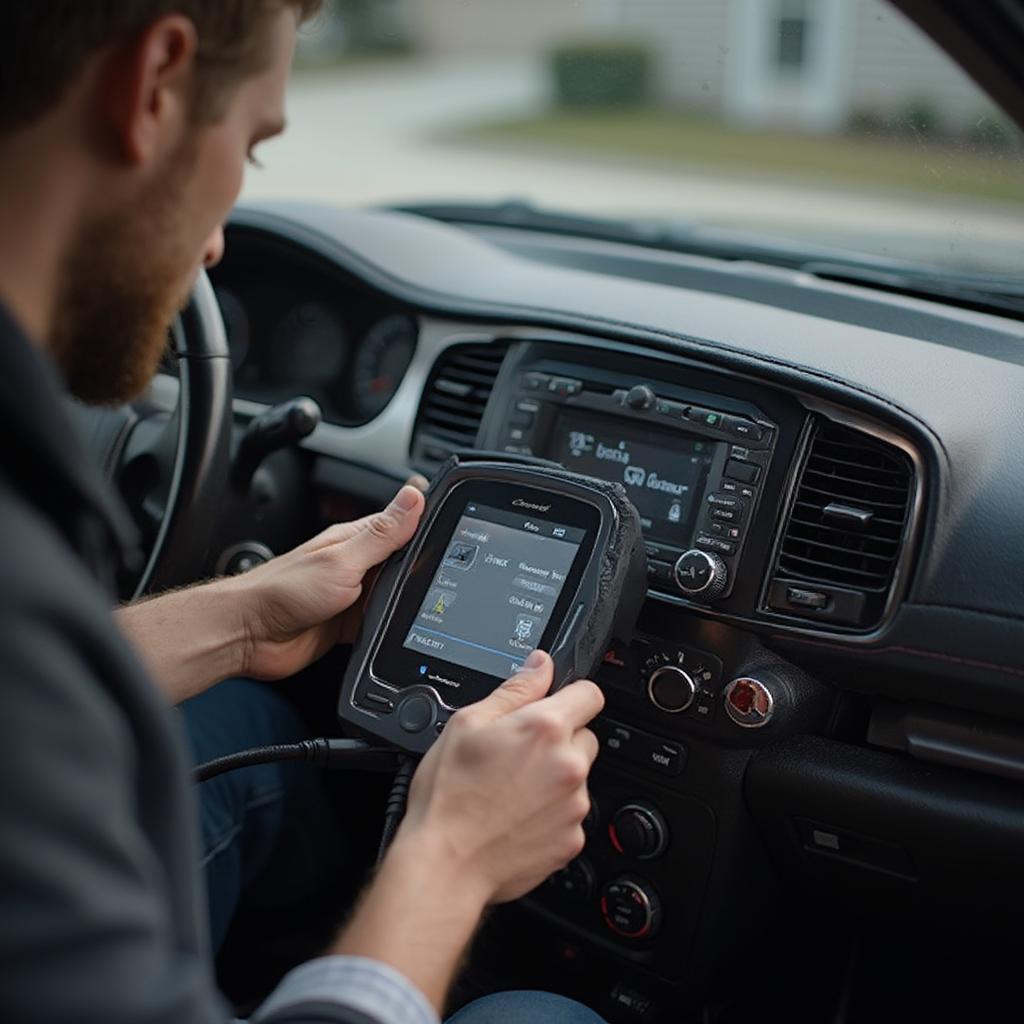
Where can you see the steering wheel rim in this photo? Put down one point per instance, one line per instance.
(203, 452)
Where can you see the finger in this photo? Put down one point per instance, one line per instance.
(578, 703)
(336, 533)
(383, 533)
(528, 685)
(417, 480)
(587, 744)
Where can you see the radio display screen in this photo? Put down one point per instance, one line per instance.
(493, 594)
(664, 481)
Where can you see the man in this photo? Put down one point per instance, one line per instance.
(124, 130)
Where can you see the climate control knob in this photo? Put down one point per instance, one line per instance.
(701, 574)
(639, 830)
(671, 689)
(631, 908)
(640, 397)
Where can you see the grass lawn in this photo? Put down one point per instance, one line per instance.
(670, 138)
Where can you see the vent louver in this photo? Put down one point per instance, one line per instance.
(454, 402)
(842, 541)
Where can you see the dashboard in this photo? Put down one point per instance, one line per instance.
(825, 694)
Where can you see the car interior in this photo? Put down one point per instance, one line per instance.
(808, 801)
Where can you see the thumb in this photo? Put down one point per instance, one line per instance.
(383, 533)
(528, 685)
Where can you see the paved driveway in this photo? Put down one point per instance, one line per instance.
(374, 134)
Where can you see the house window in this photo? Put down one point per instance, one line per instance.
(791, 38)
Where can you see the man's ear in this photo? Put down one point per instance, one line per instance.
(148, 91)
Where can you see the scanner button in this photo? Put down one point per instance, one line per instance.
(415, 714)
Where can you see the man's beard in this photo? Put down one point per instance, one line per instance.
(123, 282)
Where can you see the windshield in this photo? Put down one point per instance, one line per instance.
(828, 122)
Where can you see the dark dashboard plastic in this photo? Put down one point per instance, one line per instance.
(958, 636)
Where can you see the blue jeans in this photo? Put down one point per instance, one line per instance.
(270, 834)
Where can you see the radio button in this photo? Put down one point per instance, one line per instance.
(724, 501)
(728, 515)
(528, 405)
(565, 387)
(705, 417)
(675, 410)
(744, 429)
(517, 434)
(748, 493)
(660, 573)
(723, 547)
(536, 381)
(745, 472)
(521, 419)
(640, 397)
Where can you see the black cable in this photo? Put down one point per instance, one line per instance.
(394, 812)
(324, 753)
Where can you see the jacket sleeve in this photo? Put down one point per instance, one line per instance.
(86, 933)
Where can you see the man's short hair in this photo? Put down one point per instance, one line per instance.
(44, 45)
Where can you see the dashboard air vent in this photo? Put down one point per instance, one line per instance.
(454, 401)
(842, 540)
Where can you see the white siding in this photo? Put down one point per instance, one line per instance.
(689, 39)
(502, 26)
(895, 64)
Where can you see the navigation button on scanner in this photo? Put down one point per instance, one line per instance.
(415, 713)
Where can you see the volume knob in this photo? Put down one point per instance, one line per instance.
(701, 574)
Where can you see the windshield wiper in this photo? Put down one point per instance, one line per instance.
(982, 292)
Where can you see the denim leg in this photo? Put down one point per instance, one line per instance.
(525, 1008)
(269, 832)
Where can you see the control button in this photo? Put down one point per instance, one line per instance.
(517, 434)
(806, 598)
(521, 419)
(415, 713)
(748, 493)
(640, 397)
(564, 387)
(576, 881)
(674, 410)
(746, 472)
(727, 515)
(719, 544)
(749, 703)
(699, 573)
(671, 689)
(661, 574)
(528, 405)
(705, 417)
(724, 501)
(631, 908)
(744, 429)
(536, 381)
(639, 830)
(380, 703)
(518, 449)
(717, 529)
(640, 748)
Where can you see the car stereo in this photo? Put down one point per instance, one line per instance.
(692, 463)
(508, 557)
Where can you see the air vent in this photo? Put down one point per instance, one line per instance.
(454, 402)
(844, 535)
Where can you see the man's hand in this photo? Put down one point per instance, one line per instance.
(504, 790)
(275, 620)
(496, 806)
(293, 608)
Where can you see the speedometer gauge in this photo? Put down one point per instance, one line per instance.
(309, 346)
(381, 362)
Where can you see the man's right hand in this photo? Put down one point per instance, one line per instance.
(501, 797)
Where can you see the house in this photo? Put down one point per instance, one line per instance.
(815, 65)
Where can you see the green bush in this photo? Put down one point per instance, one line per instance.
(602, 74)
(920, 116)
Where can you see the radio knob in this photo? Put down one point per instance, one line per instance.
(701, 574)
(640, 397)
(671, 689)
(638, 830)
(631, 908)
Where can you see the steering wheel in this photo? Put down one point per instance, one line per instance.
(171, 467)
